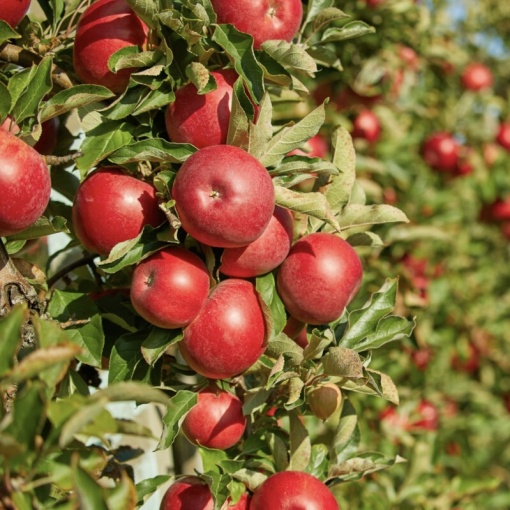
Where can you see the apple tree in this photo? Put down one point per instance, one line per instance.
(214, 262)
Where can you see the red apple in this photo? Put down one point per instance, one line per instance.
(426, 417)
(110, 207)
(476, 76)
(49, 136)
(188, 493)
(216, 421)
(265, 253)
(503, 135)
(408, 56)
(374, 3)
(441, 152)
(366, 125)
(224, 196)
(293, 490)
(105, 27)
(242, 504)
(169, 288)
(25, 184)
(319, 278)
(264, 20)
(293, 328)
(186, 117)
(10, 125)
(499, 210)
(12, 11)
(229, 333)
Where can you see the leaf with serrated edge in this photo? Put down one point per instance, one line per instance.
(262, 131)
(355, 215)
(347, 434)
(291, 56)
(300, 443)
(385, 385)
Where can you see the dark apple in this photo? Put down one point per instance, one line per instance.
(264, 20)
(265, 253)
(441, 152)
(297, 331)
(110, 207)
(324, 400)
(229, 333)
(319, 278)
(476, 76)
(169, 288)
(216, 421)
(293, 490)
(503, 135)
(25, 184)
(188, 493)
(12, 11)
(224, 196)
(186, 117)
(366, 126)
(49, 136)
(105, 27)
(499, 210)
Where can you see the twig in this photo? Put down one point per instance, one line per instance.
(84, 261)
(62, 160)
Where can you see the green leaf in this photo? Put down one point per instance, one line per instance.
(131, 57)
(315, 7)
(148, 486)
(177, 408)
(343, 362)
(10, 336)
(239, 48)
(262, 131)
(317, 344)
(283, 345)
(369, 328)
(239, 123)
(266, 287)
(158, 341)
(147, 10)
(102, 141)
(200, 76)
(347, 434)
(293, 137)
(75, 97)
(126, 360)
(6, 32)
(5, 102)
(383, 385)
(349, 31)
(300, 443)
(41, 228)
(291, 57)
(355, 215)
(319, 461)
(156, 150)
(87, 491)
(312, 204)
(136, 391)
(29, 87)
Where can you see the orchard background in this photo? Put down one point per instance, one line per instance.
(94, 396)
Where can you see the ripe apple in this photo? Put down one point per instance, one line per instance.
(426, 417)
(265, 253)
(224, 196)
(319, 278)
(229, 333)
(408, 56)
(441, 152)
(293, 328)
(186, 117)
(13, 11)
(476, 76)
(499, 210)
(105, 27)
(169, 288)
(110, 207)
(366, 125)
(293, 490)
(264, 20)
(503, 135)
(216, 421)
(25, 184)
(324, 400)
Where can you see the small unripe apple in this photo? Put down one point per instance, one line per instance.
(319, 278)
(25, 184)
(366, 125)
(216, 421)
(441, 152)
(265, 253)
(324, 400)
(224, 196)
(169, 288)
(264, 20)
(110, 207)
(186, 117)
(12, 11)
(476, 76)
(104, 28)
(293, 490)
(229, 333)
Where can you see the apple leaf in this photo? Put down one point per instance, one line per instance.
(349, 31)
(317, 344)
(87, 492)
(283, 345)
(75, 97)
(315, 8)
(239, 123)
(7, 32)
(266, 287)
(5, 102)
(364, 463)
(177, 407)
(383, 385)
(239, 48)
(130, 391)
(262, 131)
(200, 76)
(342, 362)
(156, 150)
(131, 57)
(319, 461)
(357, 215)
(326, 16)
(291, 57)
(148, 486)
(304, 164)
(10, 336)
(147, 10)
(347, 435)
(274, 72)
(293, 137)
(325, 56)
(365, 239)
(300, 443)
(311, 204)
(158, 341)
